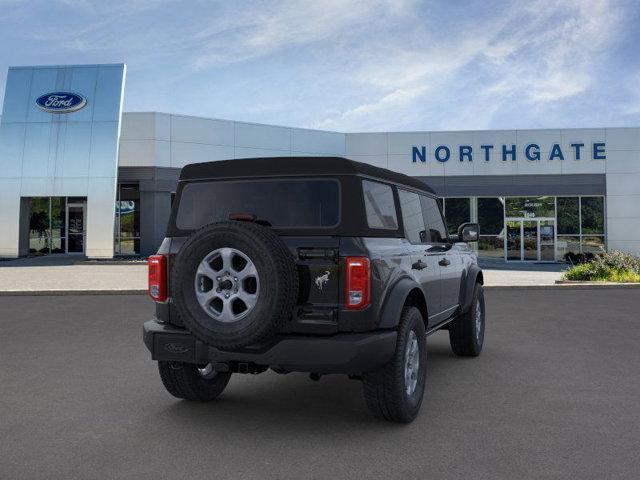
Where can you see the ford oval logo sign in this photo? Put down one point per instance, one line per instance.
(61, 102)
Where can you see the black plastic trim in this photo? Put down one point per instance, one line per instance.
(348, 353)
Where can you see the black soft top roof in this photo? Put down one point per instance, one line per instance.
(294, 166)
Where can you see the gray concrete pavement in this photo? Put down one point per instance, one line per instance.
(553, 395)
(62, 274)
(498, 273)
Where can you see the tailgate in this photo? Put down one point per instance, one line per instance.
(320, 284)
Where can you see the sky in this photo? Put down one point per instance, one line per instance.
(351, 66)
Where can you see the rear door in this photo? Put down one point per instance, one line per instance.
(424, 265)
(451, 272)
(437, 246)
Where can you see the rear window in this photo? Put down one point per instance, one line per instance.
(283, 203)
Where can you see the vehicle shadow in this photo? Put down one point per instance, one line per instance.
(293, 404)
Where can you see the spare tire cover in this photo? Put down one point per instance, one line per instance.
(234, 284)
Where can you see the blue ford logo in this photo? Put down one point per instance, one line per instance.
(61, 102)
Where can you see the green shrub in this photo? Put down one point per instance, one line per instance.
(615, 266)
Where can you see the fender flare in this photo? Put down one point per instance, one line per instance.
(395, 301)
(472, 276)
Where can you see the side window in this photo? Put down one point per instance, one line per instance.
(433, 220)
(412, 216)
(379, 205)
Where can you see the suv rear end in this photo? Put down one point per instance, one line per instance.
(303, 265)
(332, 308)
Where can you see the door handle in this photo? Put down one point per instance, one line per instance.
(419, 265)
(444, 262)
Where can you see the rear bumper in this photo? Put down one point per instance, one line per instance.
(350, 353)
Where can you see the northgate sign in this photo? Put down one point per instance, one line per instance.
(531, 152)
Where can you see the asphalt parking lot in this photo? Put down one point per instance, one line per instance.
(555, 394)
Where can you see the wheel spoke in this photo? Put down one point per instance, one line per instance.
(205, 269)
(204, 298)
(248, 271)
(249, 299)
(225, 287)
(226, 315)
(226, 254)
(412, 363)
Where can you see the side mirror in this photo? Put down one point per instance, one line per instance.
(469, 232)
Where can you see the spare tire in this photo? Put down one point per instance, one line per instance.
(234, 284)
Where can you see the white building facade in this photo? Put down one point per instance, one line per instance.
(537, 194)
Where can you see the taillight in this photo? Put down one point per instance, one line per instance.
(358, 282)
(158, 277)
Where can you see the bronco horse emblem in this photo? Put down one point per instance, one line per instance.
(322, 280)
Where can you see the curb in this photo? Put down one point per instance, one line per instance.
(22, 293)
(565, 286)
(111, 262)
(586, 282)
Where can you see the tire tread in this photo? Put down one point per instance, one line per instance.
(185, 382)
(462, 330)
(384, 388)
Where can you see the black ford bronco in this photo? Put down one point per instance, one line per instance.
(320, 265)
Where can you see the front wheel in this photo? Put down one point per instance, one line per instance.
(192, 382)
(395, 392)
(466, 333)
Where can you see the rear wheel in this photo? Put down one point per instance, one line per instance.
(466, 333)
(395, 392)
(199, 383)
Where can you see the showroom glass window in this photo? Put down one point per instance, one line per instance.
(581, 225)
(568, 226)
(456, 212)
(127, 227)
(491, 221)
(39, 225)
(48, 229)
(58, 225)
(592, 221)
(530, 207)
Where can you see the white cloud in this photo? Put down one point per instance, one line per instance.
(534, 55)
(550, 57)
(398, 98)
(286, 24)
(352, 64)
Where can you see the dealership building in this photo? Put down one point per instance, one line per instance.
(80, 176)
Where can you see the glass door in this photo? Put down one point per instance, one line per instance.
(513, 240)
(75, 227)
(530, 240)
(547, 240)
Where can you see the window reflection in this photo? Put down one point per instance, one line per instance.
(456, 212)
(48, 224)
(592, 212)
(568, 215)
(530, 207)
(127, 220)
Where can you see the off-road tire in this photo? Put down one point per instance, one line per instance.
(183, 380)
(385, 389)
(465, 337)
(277, 291)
